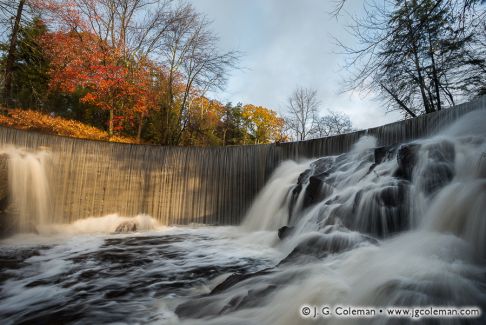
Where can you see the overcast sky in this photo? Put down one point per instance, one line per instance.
(286, 44)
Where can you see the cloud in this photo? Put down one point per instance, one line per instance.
(287, 43)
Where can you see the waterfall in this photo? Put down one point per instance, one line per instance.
(393, 217)
(184, 185)
(397, 225)
(271, 209)
(27, 187)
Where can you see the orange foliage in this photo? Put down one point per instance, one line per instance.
(36, 121)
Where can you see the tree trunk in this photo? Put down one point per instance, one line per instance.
(418, 68)
(7, 89)
(434, 74)
(140, 126)
(110, 124)
(399, 102)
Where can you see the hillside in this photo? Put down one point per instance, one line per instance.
(36, 121)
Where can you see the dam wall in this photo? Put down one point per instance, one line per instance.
(182, 185)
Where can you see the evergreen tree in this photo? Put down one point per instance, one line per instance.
(30, 70)
(424, 57)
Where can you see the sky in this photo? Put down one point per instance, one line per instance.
(287, 44)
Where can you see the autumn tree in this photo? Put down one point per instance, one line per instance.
(302, 113)
(264, 125)
(80, 63)
(131, 30)
(205, 117)
(233, 129)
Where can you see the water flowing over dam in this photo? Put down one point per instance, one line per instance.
(356, 225)
(178, 185)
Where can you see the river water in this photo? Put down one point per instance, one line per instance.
(399, 226)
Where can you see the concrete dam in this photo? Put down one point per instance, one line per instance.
(385, 220)
(174, 185)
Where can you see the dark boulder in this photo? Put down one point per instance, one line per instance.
(407, 158)
(212, 304)
(383, 211)
(320, 245)
(439, 170)
(442, 152)
(435, 177)
(236, 278)
(317, 190)
(322, 165)
(303, 179)
(126, 226)
(382, 154)
(285, 232)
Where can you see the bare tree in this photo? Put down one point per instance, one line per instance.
(136, 27)
(334, 123)
(418, 55)
(302, 113)
(194, 64)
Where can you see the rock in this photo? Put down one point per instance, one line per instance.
(303, 178)
(382, 154)
(382, 212)
(407, 158)
(236, 278)
(440, 169)
(285, 232)
(442, 152)
(317, 190)
(320, 245)
(126, 226)
(435, 177)
(222, 300)
(322, 164)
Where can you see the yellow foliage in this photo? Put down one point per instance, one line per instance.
(264, 124)
(36, 121)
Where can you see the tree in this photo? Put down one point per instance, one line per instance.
(302, 113)
(232, 127)
(29, 82)
(205, 117)
(195, 66)
(334, 123)
(131, 30)
(264, 125)
(81, 63)
(419, 55)
(7, 83)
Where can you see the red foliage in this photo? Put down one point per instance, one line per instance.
(81, 62)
